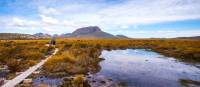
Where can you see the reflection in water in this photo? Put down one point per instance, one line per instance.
(131, 68)
(143, 68)
(47, 81)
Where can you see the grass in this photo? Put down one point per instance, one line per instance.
(189, 83)
(183, 49)
(79, 56)
(77, 81)
(19, 55)
(73, 60)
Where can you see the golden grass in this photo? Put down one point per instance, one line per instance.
(184, 49)
(21, 54)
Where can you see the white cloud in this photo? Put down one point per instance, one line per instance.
(60, 16)
(48, 11)
(130, 12)
(48, 29)
(22, 22)
(124, 26)
(147, 12)
(162, 33)
(49, 20)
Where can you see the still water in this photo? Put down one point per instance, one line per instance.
(142, 68)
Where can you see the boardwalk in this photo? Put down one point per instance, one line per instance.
(25, 74)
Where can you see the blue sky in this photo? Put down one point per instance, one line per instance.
(134, 18)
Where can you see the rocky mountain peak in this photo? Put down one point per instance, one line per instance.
(87, 30)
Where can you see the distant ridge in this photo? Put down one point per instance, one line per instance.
(6, 36)
(42, 35)
(19, 36)
(194, 37)
(122, 36)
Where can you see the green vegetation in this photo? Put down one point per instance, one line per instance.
(20, 55)
(80, 56)
(183, 49)
(77, 81)
(189, 83)
(76, 59)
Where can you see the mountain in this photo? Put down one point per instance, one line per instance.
(194, 37)
(19, 36)
(42, 35)
(65, 35)
(85, 32)
(122, 36)
(5, 36)
(90, 32)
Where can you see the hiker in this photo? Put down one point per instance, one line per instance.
(52, 42)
